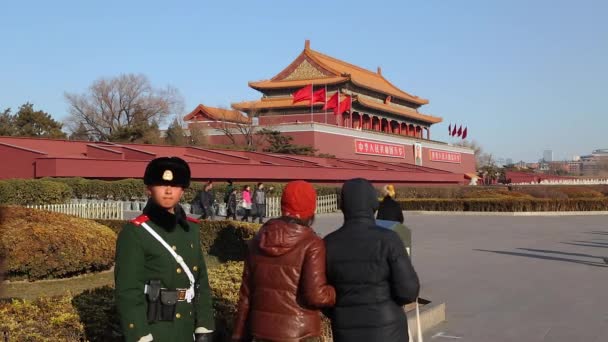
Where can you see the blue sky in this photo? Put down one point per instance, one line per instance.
(524, 76)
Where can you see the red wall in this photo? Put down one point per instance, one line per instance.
(17, 163)
(117, 169)
(344, 147)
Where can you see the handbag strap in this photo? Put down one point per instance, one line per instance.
(177, 257)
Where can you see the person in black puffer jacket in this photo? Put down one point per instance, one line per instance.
(389, 209)
(371, 272)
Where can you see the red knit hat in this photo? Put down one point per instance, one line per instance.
(299, 200)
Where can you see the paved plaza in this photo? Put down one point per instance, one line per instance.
(511, 278)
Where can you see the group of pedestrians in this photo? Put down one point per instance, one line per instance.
(360, 275)
(253, 203)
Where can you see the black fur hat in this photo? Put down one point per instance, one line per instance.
(168, 171)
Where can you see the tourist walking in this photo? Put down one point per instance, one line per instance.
(246, 203)
(389, 209)
(284, 283)
(370, 270)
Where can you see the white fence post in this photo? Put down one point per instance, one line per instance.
(325, 204)
(104, 210)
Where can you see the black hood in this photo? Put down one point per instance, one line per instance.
(359, 199)
(164, 218)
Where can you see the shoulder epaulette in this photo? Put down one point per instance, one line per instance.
(193, 220)
(140, 219)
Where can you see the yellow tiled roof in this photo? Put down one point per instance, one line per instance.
(341, 71)
(229, 115)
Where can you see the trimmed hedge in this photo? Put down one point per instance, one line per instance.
(127, 189)
(505, 204)
(92, 314)
(97, 311)
(227, 240)
(41, 245)
(41, 320)
(33, 191)
(115, 225)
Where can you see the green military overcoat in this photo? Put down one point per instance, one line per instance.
(141, 258)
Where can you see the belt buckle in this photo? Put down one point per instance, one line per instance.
(181, 294)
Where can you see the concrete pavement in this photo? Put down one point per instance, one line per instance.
(511, 278)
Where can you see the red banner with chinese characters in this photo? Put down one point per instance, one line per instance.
(379, 149)
(445, 156)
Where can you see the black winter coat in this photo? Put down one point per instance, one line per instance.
(371, 272)
(390, 210)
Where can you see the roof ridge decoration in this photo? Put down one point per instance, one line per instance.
(330, 68)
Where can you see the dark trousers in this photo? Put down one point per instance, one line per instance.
(247, 215)
(229, 213)
(260, 212)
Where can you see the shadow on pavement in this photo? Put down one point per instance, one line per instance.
(547, 257)
(587, 244)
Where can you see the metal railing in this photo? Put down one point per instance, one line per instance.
(325, 204)
(93, 210)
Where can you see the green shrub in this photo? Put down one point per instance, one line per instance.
(123, 190)
(97, 311)
(505, 204)
(41, 320)
(494, 193)
(227, 240)
(39, 244)
(225, 282)
(33, 191)
(115, 225)
(128, 189)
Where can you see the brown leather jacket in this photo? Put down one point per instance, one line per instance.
(284, 285)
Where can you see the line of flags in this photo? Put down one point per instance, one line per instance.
(458, 131)
(320, 96)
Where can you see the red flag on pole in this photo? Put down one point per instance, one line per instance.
(303, 94)
(459, 134)
(454, 130)
(332, 102)
(450, 130)
(344, 106)
(319, 96)
(464, 133)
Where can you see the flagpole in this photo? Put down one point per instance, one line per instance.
(351, 112)
(312, 94)
(341, 119)
(325, 104)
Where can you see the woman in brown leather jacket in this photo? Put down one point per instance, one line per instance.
(284, 283)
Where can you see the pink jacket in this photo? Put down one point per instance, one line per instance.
(247, 197)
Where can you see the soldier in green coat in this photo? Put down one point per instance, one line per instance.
(162, 290)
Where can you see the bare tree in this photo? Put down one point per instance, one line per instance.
(232, 129)
(481, 158)
(122, 108)
(198, 135)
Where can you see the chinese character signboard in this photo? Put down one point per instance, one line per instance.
(445, 156)
(418, 154)
(379, 149)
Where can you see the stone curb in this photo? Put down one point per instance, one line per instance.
(511, 214)
(431, 315)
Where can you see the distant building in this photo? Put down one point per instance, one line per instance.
(574, 167)
(376, 120)
(548, 156)
(509, 161)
